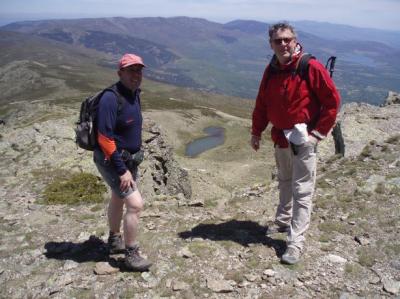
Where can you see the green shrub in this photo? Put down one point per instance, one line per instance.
(380, 188)
(366, 152)
(353, 269)
(331, 226)
(392, 249)
(393, 140)
(324, 238)
(79, 188)
(367, 256)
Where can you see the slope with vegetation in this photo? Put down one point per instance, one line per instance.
(226, 58)
(212, 244)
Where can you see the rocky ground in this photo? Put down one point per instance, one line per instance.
(204, 222)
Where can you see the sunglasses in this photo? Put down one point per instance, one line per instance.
(134, 69)
(286, 40)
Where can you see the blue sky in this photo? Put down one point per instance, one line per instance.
(382, 14)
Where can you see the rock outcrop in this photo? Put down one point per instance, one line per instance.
(361, 123)
(39, 142)
(166, 176)
(392, 98)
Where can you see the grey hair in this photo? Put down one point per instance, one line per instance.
(281, 26)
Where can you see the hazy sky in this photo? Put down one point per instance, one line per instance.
(383, 14)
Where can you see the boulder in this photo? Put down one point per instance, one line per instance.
(392, 98)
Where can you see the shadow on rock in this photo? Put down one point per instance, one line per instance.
(242, 232)
(92, 250)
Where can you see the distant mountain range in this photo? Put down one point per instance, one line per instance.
(32, 68)
(349, 33)
(226, 58)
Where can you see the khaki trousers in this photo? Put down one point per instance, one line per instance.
(296, 177)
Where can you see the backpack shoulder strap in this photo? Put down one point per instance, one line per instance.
(120, 99)
(271, 70)
(302, 66)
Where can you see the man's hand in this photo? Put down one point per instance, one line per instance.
(312, 139)
(255, 142)
(127, 181)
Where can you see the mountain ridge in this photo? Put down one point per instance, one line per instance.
(223, 58)
(347, 32)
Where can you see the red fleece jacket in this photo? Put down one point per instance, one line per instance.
(286, 100)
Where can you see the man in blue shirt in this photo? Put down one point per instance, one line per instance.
(119, 136)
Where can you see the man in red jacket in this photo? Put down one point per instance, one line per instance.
(302, 112)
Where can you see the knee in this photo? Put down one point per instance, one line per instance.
(134, 206)
(135, 209)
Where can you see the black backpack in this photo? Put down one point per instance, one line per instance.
(86, 129)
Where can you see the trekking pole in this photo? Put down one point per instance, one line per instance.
(331, 61)
(337, 130)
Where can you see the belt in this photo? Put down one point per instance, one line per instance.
(135, 158)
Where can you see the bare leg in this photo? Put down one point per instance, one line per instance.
(115, 209)
(134, 205)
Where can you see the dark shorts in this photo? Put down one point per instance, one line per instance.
(111, 176)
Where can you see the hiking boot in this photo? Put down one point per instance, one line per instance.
(135, 262)
(274, 228)
(115, 244)
(291, 256)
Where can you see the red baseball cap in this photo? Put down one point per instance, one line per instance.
(130, 59)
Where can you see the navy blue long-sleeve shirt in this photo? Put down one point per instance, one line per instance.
(119, 130)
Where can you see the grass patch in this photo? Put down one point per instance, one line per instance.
(380, 188)
(345, 198)
(325, 202)
(393, 139)
(387, 223)
(86, 217)
(201, 249)
(253, 262)
(154, 101)
(367, 256)
(4, 227)
(237, 276)
(211, 203)
(79, 188)
(366, 152)
(350, 172)
(392, 249)
(209, 113)
(334, 158)
(385, 148)
(327, 247)
(53, 221)
(81, 293)
(97, 208)
(394, 190)
(333, 226)
(299, 267)
(353, 269)
(362, 210)
(322, 184)
(324, 238)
